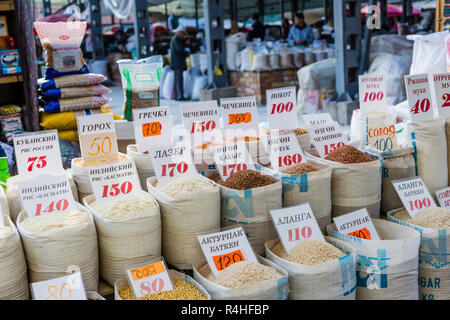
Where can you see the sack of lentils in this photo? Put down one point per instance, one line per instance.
(318, 270)
(303, 137)
(386, 269)
(13, 194)
(185, 288)
(428, 140)
(13, 269)
(55, 243)
(306, 182)
(143, 164)
(355, 180)
(189, 206)
(247, 197)
(434, 268)
(245, 280)
(129, 232)
(397, 164)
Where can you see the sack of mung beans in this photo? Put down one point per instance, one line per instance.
(13, 269)
(397, 164)
(143, 164)
(447, 136)
(128, 231)
(310, 186)
(353, 185)
(428, 140)
(13, 194)
(386, 269)
(122, 289)
(317, 270)
(434, 250)
(59, 242)
(245, 280)
(189, 206)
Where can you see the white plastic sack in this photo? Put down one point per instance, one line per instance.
(168, 85)
(4, 207)
(429, 53)
(233, 43)
(143, 164)
(200, 82)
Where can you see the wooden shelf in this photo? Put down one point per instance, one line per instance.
(6, 5)
(104, 288)
(11, 78)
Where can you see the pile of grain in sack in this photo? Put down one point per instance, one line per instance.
(129, 232)
(242, 180)
(431, 218)
(300, 168)
(303, 137)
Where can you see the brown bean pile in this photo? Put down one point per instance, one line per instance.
(300, 168)
(297, 132)
(243, 180)
(216, 178)
(348, 154)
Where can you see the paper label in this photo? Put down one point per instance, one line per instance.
(326, 138)
(282, 108)
(443, 196)
(442, 91)
(295, 224)
(414, 195)
(372, 94)
(240, 117)
(357, 224)
(284, 151)
(380, 133)
(222, 249)
(231, 158)
(317, 119)
(419, 97)
(152, 127)
(68, 287)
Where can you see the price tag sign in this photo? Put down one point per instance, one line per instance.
(295, 224)
(372, 94)
(284, 150)
(68, 287)
(357, 224)
(222, 249)
(443, 196)
(46, 194)
(317, 119)
(114, 180)
(201, 122)
(326, 137)
(240, 117)
(282, 108)
(152, 127)
(38, 153)
(442, 90)
(231, 158)
(172, 162)
(414, 195)
(149, 279)
(380, 132)
(97, 136)
(419, 97)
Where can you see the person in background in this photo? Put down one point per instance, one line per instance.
(300, 34)
(178, 56)
(121, 41)
(317, 29)
(257, 29)
(89, 47)
(285, 25)
(173, 22)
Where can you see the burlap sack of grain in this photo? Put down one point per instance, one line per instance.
(434, 266)
(174, 275)
(13, 194)
(143, 164)
(182, 219)
(332, 280)
(428, 139)
(267, 290)
(313, 187)
(4, 207)
(126, 241)
(397, 164)
(13, 269)
(304, 140)
(353, 186)
(385, 269)
(447, 136)
(51, 254)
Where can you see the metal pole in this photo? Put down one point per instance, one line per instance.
(383, 13)
(404, 11)
(196, 14)
(141, 30)
(96, 29)
(47, 7)
(282, 10)
(165, 14)
(366, 44)
(294, 7)
(261, 10)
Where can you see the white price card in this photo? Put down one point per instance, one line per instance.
(68, 287)
(222, 249)
(357, 224)
(442, 90)
(317, 119)
(380, 132)
(149, 279)
(282, 108)
(284, 150)
(372, 94)
(240, 117)
(46, 194)
(443, 196)
(231, 158)
(414, 195)
(295, 224)
(114, 180)
(38, 153)
(201, 122)
(419, 97)
(171, 162)
(152, 127)
(326, 137)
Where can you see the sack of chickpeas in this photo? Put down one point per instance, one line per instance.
(143, 164)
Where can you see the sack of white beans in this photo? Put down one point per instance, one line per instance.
(143, 164)
(13, 269)
(386, 269)
(128, 231)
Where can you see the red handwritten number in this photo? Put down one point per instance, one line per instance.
(180, 167)
(155, 286)
(232, 168)
(41, 163)
(289, 160)
(446, 97)
(419, 204)
(61, 205)
(201, 126)
(281, 107)
(421, 106)
(294, 234)
(331, 147)
(124, 188)
(372, 96)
